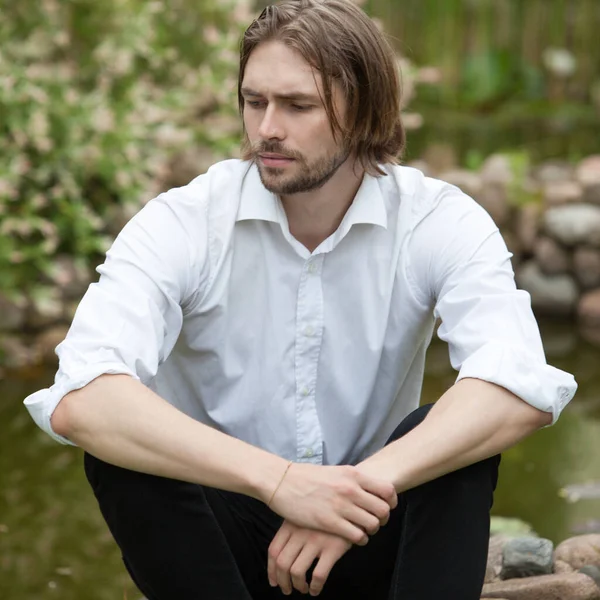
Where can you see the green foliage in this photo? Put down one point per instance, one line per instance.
(94, 98)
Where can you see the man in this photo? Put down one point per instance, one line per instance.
(245, 375)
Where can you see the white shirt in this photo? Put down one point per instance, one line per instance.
(207, 298)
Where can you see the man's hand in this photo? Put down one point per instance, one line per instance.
(293, 551)
(342, 500)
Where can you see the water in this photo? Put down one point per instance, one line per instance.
(54, 544)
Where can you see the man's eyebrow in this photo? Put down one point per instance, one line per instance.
(302, 96)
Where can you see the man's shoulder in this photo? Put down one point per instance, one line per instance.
(422, 195)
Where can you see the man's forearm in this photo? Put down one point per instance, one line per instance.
(119, 420)
(472, 421)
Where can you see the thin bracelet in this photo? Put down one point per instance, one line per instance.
(280, 482)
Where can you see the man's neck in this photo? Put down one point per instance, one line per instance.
(314, 216)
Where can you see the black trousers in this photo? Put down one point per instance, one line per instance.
(182, 541)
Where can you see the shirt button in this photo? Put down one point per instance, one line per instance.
(308, 453)
(308, 331)
(312, 268)
(305, 391)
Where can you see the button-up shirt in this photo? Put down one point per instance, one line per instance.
(207, 298)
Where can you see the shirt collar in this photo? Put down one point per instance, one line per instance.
(368, 206)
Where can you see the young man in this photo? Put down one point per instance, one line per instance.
(245, 375)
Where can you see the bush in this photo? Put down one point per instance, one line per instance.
(94, 99)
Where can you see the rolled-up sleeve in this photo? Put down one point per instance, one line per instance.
(464, 265)
(128, 322)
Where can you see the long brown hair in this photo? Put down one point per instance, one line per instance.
(338, 40)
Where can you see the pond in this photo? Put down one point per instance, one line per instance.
(53, 543)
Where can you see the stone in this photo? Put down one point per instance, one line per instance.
(574, 224)
(588, 171)
(591, 194)
(527, 224)
(562, 192)
(510, 527)
(468, 181)
(497, 169)
(580, 550)
(588, 309)
(494, 559)
(550, 294)
(12, 313)
(493, 198)
(564, 586)
(560, 566)
(554, 171)
(591, 571)
(46, 343)
(552, 258)
(440, 158)
(526, 557)
(586, 266)
(15, 354)
(46, 308)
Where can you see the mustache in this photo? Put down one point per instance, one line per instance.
(276, 148)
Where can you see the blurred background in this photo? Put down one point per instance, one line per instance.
(105, 104)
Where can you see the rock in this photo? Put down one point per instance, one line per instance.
(551, 257)
(586, 266)
(497, 170)
(565, 586)
(440, 158)
(510, 527)
(15, 354)
(45, 344)
(591, 194)
(552, 172)
(12, 313)
(580, 550)
(526, 556)
(560, 566)
(574, 224)
(591, 571)
(555, 295)
(70, 277)
(494, 199)
(46, 308)
(494, 559)
(467, 181)
(527, 226)
(588, 309)
(588, 171)
(562, 192)
(587, 526)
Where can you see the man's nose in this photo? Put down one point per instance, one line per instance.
(270, 126)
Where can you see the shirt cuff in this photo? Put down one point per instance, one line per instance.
(42, 404)
(523, 373)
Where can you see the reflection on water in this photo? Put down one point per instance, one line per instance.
(53, 543)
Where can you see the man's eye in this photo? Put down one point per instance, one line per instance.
(301, 107)
(254, 103)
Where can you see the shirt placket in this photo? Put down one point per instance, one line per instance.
(308, 340)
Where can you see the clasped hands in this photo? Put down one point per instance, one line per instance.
(326, 510)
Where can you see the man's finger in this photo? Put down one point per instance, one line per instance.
(384, 489)
(284, 562)
(300, 567)
(321, 572)
(278, 543)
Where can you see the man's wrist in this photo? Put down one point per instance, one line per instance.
(263, 479)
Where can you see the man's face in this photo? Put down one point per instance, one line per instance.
(291, 138)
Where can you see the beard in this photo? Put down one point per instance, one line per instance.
(309, 175)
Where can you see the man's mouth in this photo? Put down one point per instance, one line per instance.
(270, 159)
